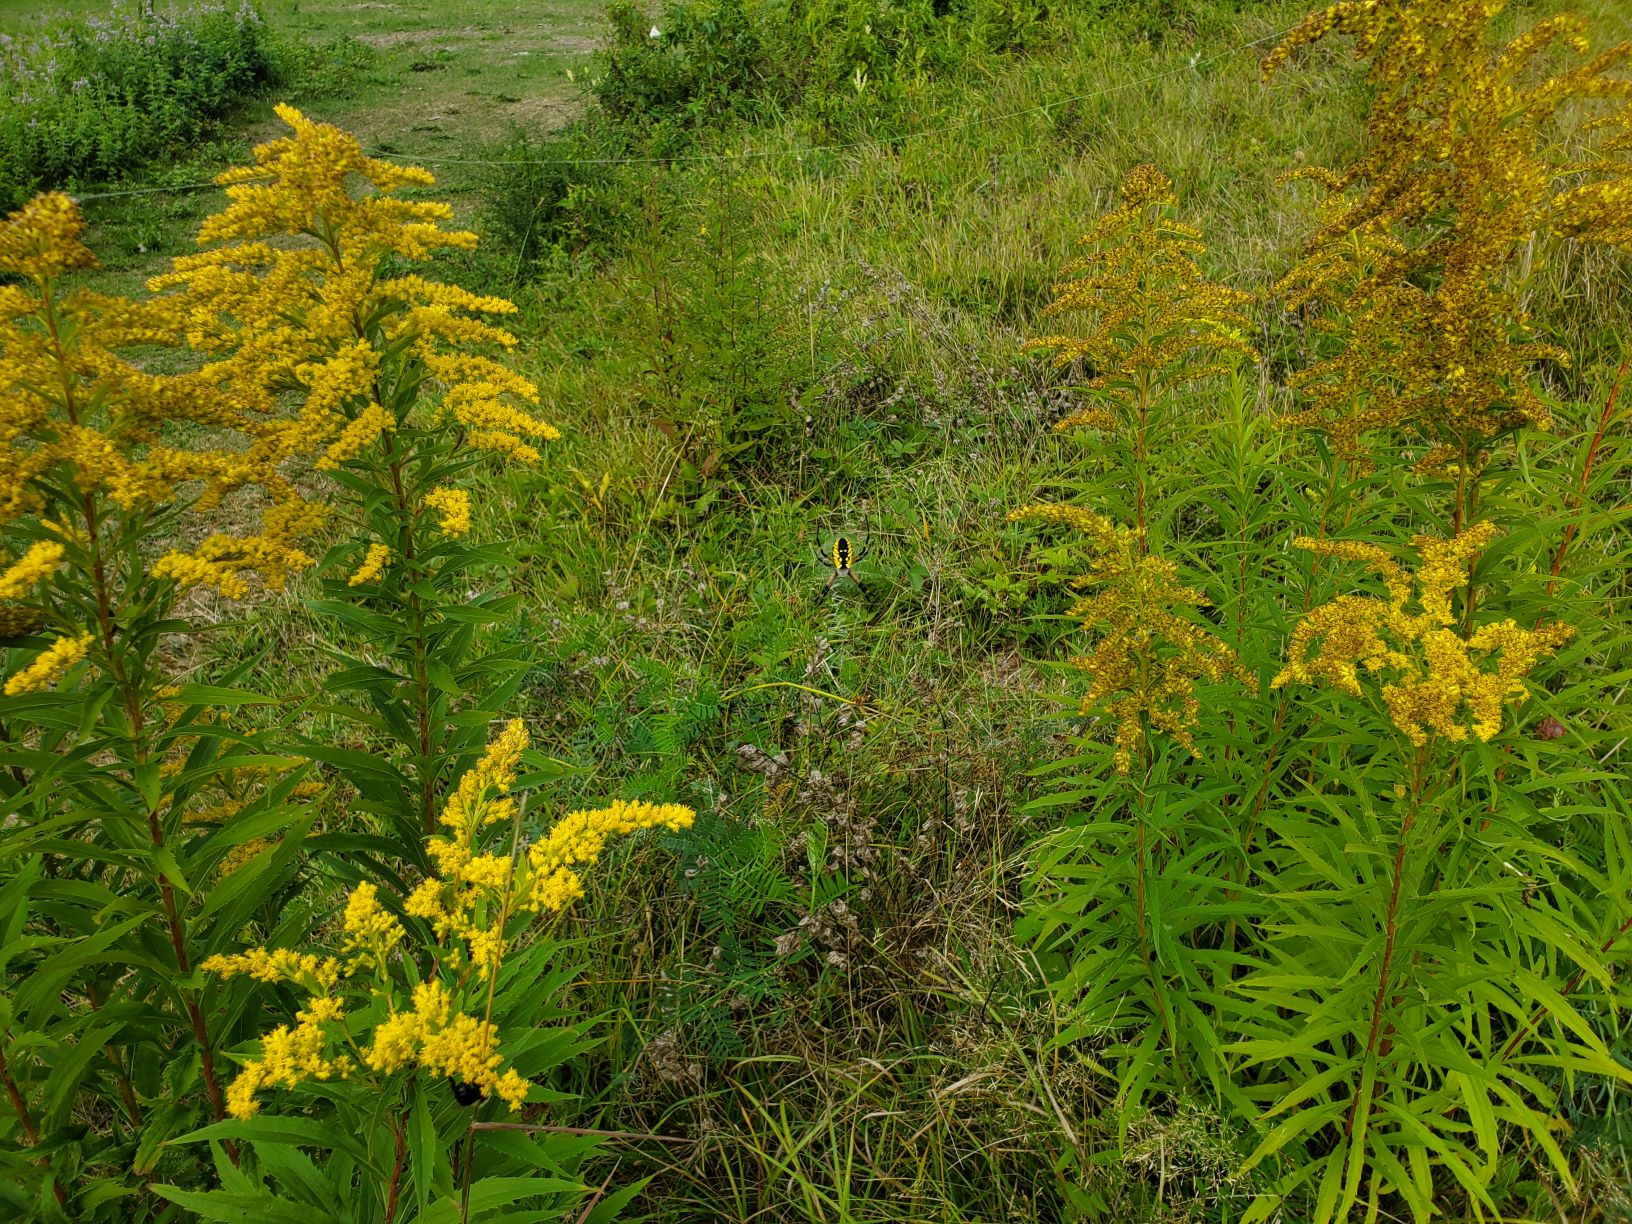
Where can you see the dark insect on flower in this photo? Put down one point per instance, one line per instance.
(1550, 728)
(465, 1094)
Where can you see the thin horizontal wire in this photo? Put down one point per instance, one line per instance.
(801, 150)
(798, 151)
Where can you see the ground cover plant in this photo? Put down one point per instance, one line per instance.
(87, 98)
(452, 770)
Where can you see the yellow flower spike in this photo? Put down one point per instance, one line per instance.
(1147, 660)
(318, 974)
(373, 565)
(78, 420)
(1433, 679)
(1153, 319)
(468, 902)
(452, 508)
(578, 839)
(1458, 158)
(31, 569)
(322, 318)
(371, 933)
(41, 240)
(471, 807)
(366, 428)
(50, 665)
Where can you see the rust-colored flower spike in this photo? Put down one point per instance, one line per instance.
(1441, 364)
(1433, 677)
(1599, 209)
(298, 298)
(1153, 320)
(81, 426)
(1456, 156)
(1455, 136)
(1147, 660)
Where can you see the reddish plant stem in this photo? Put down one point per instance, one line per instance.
(1604, 419)
(1575, 980)
(1378, 1032)
(18, 1105)
(155, 829)
(395, 1189)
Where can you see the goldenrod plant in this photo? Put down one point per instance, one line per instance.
(1154, 325)
(1456, 177)
(129, 794)
(1342, 914)
(421, 1013)
(304, 292)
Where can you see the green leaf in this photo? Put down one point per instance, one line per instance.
(492, 1192)
(238, 1207)
(270, 1128)
(423, 1148)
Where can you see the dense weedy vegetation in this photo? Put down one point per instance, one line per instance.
(908, 635)
(89, 98)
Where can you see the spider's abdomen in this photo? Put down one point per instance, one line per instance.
(841, 553)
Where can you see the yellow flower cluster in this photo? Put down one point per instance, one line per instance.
(1156, 322)
(444, 1041)
(289, 1057)
(74, 413)
(31, 569)
(452, 508)
(1147, 659)
(50, 665)
(468, 902)
(316, 974)
(1454, 156)
(578, 839)
(371, 933)
(373, 565)
(1436, 678)
(294, 298)
(1600, 208)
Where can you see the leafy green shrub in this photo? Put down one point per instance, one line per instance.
(97, 95)
(332, 69)
(561, 191)
(709, 58)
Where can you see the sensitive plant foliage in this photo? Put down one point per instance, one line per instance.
(1453, 181)
(1156, 322)
(1147, 660)
(398, 997)
(1434, 681)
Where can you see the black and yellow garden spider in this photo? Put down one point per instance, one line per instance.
(842, 558)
